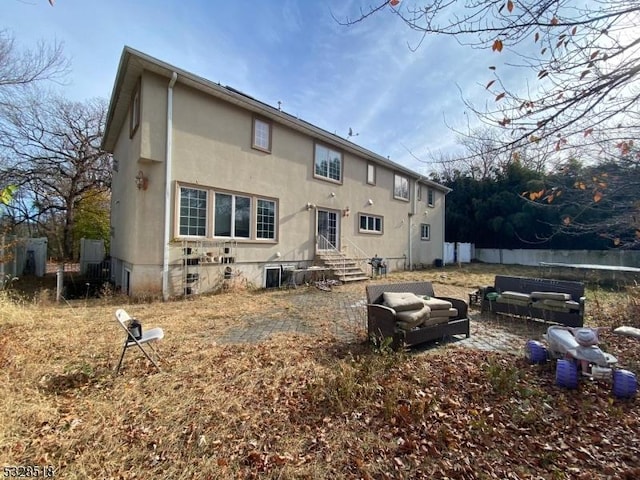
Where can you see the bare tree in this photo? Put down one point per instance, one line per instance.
(21, 70)
(52, 154)
(585, 58)
(579, 88)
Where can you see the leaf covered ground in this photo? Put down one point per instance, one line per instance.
(296, 405)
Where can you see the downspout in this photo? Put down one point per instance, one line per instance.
(167, 189)
(414, 209)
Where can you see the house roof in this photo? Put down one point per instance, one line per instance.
(134, 62)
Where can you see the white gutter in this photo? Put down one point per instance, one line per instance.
(167, 189)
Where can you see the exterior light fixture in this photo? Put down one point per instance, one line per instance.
(142, 182)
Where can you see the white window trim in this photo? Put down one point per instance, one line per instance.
(366, 230)
(207, 208)
(397, 197)
(327, 178)
(428, 237)
(210, 212)
(254, 131)
(233, 196)
(431, 195)
(371, 166)
(275, 219)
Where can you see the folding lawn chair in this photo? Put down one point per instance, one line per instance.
(147, 337)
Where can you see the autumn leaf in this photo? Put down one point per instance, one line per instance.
(500, 96)
(497, 46)
(597, 196)
(534, 139)
(510, 6)
(616, 241)
(536, 37)
(588, 132)
(393, 3)
(490, 83)
(543, 51)
(580, 185)
(583, 74)
(554, 21)
(574, 30)
(594, 54)
(637, 233)
(566, 220)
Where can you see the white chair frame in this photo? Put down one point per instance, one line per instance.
(148, 336)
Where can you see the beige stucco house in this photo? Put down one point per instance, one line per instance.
(211, 184)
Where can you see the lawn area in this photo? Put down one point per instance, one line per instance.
(307, 404)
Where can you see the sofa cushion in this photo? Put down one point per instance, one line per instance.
(448, 313)
(402, 301)
(413, 317)
(428, 322)
(509, 295)
(550, 296)
(437, 303)
(568, 304)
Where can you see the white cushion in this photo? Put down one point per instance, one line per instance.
(437, 303)
(550, 296)
(402, 301)
(413, 317)
(509, 295)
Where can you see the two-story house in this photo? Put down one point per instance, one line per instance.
(210, 183)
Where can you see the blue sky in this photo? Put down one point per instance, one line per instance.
(363, 77)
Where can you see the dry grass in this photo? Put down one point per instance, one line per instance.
(294, 406)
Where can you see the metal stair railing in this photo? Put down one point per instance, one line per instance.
(323, 243)
(363, 257)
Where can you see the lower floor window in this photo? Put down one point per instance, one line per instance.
(370, 224)
(193, 212)
(425, 231)
(231, 215)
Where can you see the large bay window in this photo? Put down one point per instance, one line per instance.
(231, 215)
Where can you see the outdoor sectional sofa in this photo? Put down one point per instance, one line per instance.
(411, 313)
(554, 301)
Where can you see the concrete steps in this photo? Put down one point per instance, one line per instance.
(342, 267)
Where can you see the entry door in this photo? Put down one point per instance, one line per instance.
(328, 228)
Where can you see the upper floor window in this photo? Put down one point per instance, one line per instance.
(430, 197)
(370, 224)
(193, 212)
(371, 174)
(261, 135)
(400, 187)
(425, 231)
(327, 163)
(134, 118)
